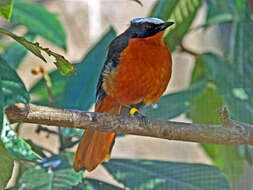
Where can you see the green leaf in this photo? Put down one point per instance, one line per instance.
(15, 53)
(226, 10)
(236, 43)
(198, 72)
(163, 9)
(228, 159)
(235, 89)
(184, 14)
(203, 110)
(15, 145)
(93, 184)
(55, 173)
(225, 17)
(63, 65)
(173, 104)
(12, 87)
(150, 174)
(240, 49)
(6, 166)
(6, 8)
(80, 90)
(12, 91)
(39, 21)
(236, 85)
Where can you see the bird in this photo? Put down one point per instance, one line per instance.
(135, 74)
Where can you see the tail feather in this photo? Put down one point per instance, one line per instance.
(95, 146)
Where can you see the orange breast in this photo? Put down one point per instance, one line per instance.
(143, 73)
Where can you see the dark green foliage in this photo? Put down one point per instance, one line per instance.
(150, 174)
(39, 21)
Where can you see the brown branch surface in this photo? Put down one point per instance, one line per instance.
(230, 133)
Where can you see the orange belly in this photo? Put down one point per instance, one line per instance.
(143, 73)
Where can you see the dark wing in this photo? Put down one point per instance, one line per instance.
(112, 61)
(100, 93)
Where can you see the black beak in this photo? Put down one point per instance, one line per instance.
(165, 25)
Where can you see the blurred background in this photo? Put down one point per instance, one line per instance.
(85, 21)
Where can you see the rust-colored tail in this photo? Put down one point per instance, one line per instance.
(95, 146)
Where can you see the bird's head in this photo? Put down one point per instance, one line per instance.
(146, 27)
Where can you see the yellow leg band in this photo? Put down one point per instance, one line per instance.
(133, 111)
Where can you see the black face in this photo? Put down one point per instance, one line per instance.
(147, 29)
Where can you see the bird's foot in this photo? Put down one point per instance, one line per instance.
(135, 112)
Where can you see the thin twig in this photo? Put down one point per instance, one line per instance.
(48, 84)
(45, 129)
(236, 133)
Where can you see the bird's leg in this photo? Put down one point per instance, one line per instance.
(132, 110)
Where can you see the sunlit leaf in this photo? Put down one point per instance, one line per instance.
(6, 8)
(183, 15)
(39, 21)
(204, 107)
(150, 174)
(63, 65)
(181, 12)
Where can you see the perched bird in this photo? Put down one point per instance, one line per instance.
(135, 74)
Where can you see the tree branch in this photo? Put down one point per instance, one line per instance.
(230, 133)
